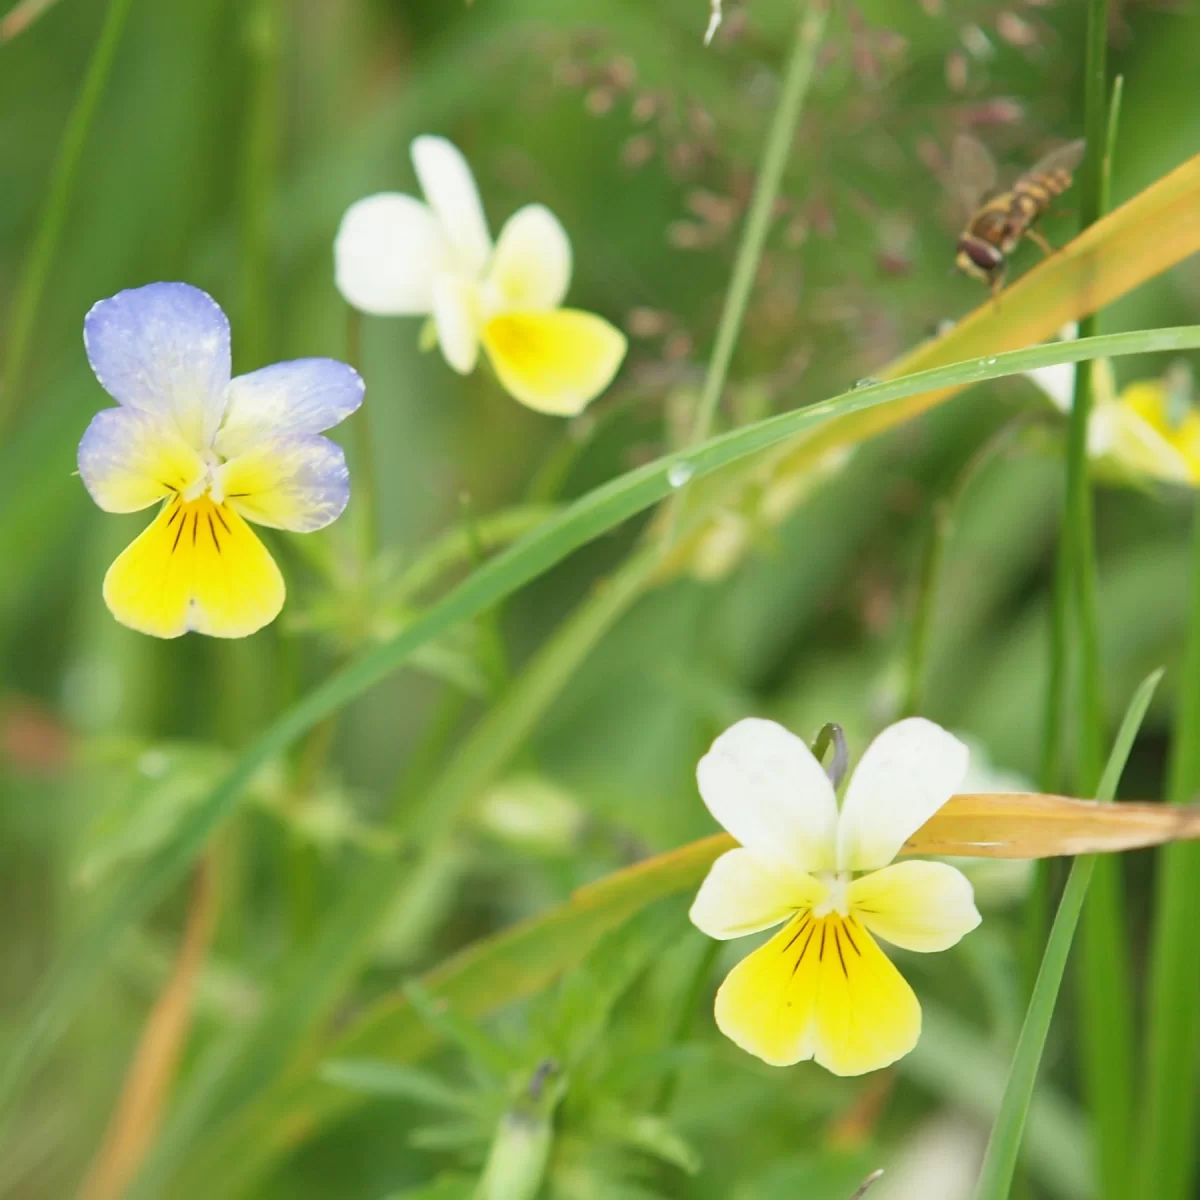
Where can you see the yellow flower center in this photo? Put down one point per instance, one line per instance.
(837, 897)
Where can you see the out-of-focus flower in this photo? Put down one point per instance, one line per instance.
(217, 451)
(821, 988)
(396, 255)
(1143, 432)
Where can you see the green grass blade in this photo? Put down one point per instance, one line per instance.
(23, 318)
(999, 1165)
(66, 989)
(1167, 1166)
(1106, 995)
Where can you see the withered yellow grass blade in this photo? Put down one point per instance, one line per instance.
(1036, 826)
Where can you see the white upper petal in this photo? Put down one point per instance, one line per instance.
(450, 190)
(532, 266)
(456, 318)
(764, 786)
(387, 253)
(907, 773)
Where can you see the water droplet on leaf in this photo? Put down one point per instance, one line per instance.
(679, 473)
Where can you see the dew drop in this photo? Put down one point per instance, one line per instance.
(991, 362)
(679, 473)
(865, 381)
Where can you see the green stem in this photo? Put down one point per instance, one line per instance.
(366, 491)
(260, 153)
(941, 525)
(1105, 997)
(1167, 1165)
(55, 211)
(799, 75)
(690, 995)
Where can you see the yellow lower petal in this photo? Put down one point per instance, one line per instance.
(555, 362)
(821, 989)
(199, 567)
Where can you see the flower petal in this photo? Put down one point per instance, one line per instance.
(907, 773)
(449, 187)
(532, 266)
(199, 567)
(296, 482)
(387, 251)
(308, 395)
(924, 906)
(554, 362)
(129, 459)
(164, 349)
(822, 989)
(743, 893)
(764, 786)
(1136, 445)
(455, 316)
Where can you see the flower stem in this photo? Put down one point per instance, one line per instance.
(260, 153)
(366, 492)
(809, 32)
(55, 211)
(941, 525)
(1105, 997)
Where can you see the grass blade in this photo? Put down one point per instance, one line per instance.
(1167, 1166)
(23, 318)
(1000, 1162)
(65, 990)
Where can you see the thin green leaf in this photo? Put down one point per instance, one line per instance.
(372, 1077)
(999, 1165)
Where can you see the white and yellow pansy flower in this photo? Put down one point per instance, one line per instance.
(821, 988)
(215, 452)
(1135, 432)
(398, 256)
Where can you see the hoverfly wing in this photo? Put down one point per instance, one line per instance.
(973, 171)
(1064, 158)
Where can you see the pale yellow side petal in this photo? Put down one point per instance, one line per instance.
(554, 362)
(130, 459)
(1148, 439)
(744, 893)
(821, 989)
(199, 567)
(531, 269)
(925, 906)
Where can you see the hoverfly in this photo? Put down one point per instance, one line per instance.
(998, 223)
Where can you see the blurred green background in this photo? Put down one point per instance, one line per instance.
(229, 140)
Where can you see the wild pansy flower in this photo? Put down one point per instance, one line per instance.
(217, 451)
(1142, 432)
(821, 988)
(398, 256)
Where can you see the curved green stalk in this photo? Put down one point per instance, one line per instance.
(55, 211)
(762, 206)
